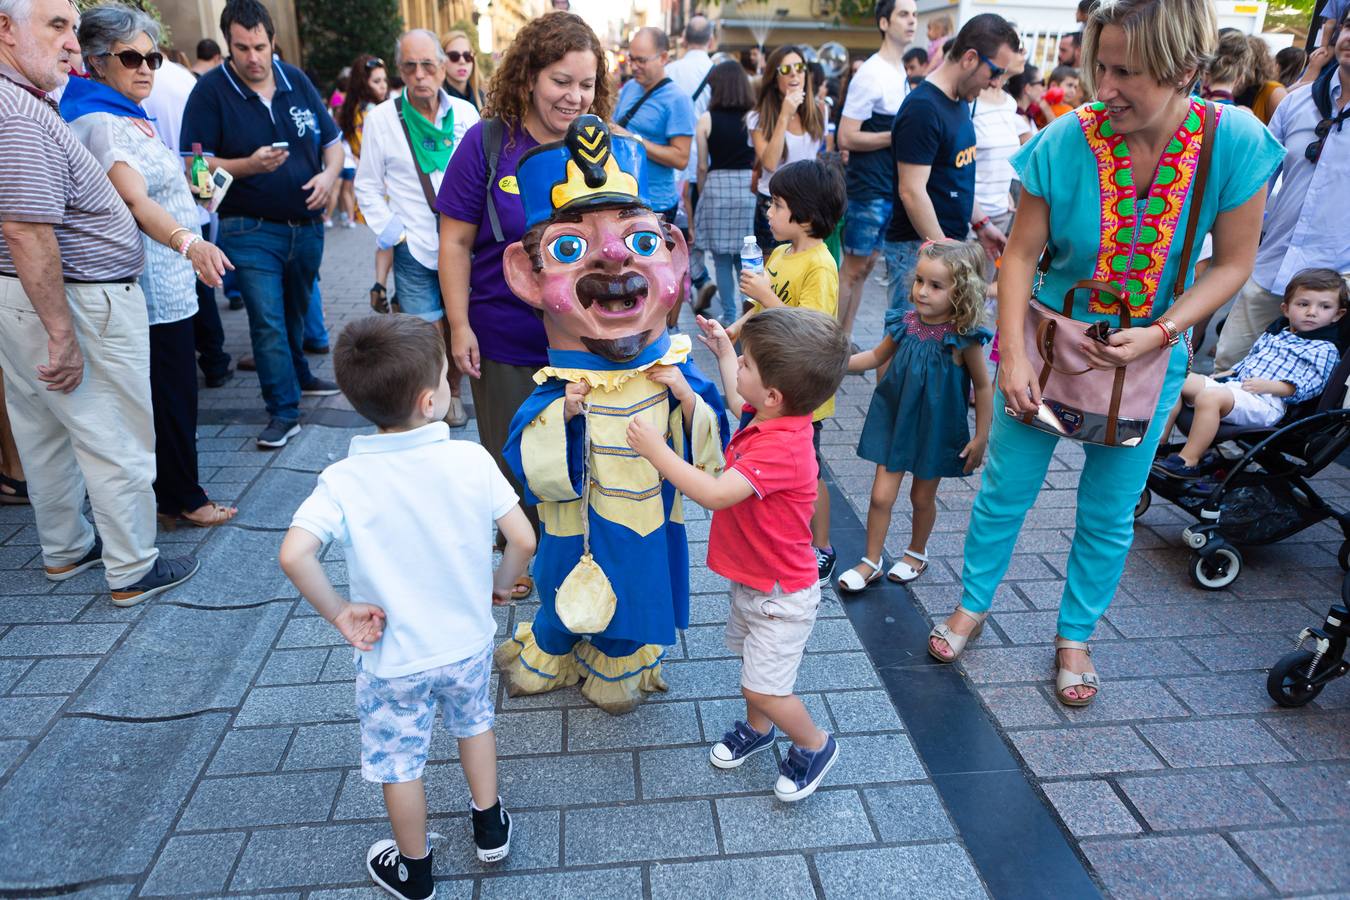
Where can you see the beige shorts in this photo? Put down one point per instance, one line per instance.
(769, 633)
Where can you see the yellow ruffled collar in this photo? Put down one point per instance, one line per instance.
(613, 380)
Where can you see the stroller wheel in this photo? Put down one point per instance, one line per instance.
(1218, 570)
(1343, 556)
(1287, 682)
(1145, 501)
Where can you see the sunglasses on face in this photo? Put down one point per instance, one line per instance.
(994, 71)
(790, 68)
(132, 60)
(1314, 150)
(426, 65)
(374, 63)
(456, 56)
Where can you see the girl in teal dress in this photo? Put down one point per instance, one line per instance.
(917, 422)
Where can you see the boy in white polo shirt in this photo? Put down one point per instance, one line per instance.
(414, 513)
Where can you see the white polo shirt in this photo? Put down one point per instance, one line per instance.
(414, 513)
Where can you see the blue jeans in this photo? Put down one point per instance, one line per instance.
(901, 259)
(316, 333)
(417, 288)
(728, 267)
(276, 266)
(865, 225)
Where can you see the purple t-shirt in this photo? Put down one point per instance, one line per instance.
(508, 330)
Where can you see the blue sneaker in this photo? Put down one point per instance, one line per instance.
(1176, 467)
(803, 770)
(739, 744)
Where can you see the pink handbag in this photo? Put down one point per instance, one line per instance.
(1112, 407)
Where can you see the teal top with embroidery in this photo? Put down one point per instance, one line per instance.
(1118, 239)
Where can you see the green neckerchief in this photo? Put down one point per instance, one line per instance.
(431, 146)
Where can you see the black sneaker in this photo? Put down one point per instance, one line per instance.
(319, 388)
(236, 301)
(825, 564)
(277, 433)
(402, 877)
(491, 832)
(802, 771)
(93, 558)
(219, 379)
(164, 574)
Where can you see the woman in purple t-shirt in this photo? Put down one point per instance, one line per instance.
(552, 72)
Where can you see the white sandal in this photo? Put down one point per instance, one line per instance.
(1064, 679)
(851, 582)
(903, 573)
(957, 642)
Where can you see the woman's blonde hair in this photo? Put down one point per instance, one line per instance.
(1232, 63)
(964, 261)
(1173, 40)
(449, 38)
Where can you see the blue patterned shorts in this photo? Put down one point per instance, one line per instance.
(398, 714)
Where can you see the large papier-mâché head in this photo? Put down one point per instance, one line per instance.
(601, 267)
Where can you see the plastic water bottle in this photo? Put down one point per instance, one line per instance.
(752, 258)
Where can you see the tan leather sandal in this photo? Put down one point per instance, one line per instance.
(957, 642)
(1065, 679)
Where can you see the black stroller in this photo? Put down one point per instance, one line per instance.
(1262, 496)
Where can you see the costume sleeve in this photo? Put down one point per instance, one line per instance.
(321, 515)
(917, 132)
(543, 450)
(1246, 154)
(708, 433)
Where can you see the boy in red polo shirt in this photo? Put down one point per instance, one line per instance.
(793, 360)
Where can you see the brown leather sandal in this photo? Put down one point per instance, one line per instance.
(220, 514)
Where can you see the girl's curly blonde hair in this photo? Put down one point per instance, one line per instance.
(964, 261)
(540, 44)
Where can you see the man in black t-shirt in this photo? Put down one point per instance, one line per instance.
(933, 141)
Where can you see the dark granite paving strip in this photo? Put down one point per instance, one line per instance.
(988, 795)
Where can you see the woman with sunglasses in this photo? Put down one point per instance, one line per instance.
(104, 112)
(367, 87)
(1028, 90)
(1110, 188)
(786, 125)
(461, 70)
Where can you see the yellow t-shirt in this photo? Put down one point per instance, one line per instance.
(809, 280)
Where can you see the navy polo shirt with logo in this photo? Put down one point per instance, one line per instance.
(230, 120)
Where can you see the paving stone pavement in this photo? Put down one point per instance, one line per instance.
(205, 744)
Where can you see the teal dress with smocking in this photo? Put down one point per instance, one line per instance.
(917, 420)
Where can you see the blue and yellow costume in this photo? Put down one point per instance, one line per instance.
(635, 518)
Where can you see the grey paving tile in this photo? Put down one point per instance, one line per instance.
(833, 634)
(773, 876)
(27, 716)
(56, 676)
(294, 666)
(325, 747)
(1196, 801)
(249, 801)
(908, 812)
(1288, 617)
(1142, 659)
(1182, 867)
(719, 715)
(333, 854)
(283, 490)
(1321, 736)
(1084, 751)
(1226, 742)
(11, 670)
(1302, 859)
(317, 447)
(836, 672)
(1090, 808)
(995, 665)
(59, 640)
(873, 758)
(458, 889)
(311, 631)
(700, 678)
(10, 751)
(239, 566)
(341, 665)
(651, 724)
(760, 824)
(115, 806)
(1020, 707)
(250, 752)
(1162, 621)
(863, 711)
(179, 660)
(534, 844)
(599, 884)
(1128, 701)
(685, 772)
(1311, 792)
(297, 705)
(24, 609)
(899, 872)
(646, 830)
(1239, 653)
(192, 863)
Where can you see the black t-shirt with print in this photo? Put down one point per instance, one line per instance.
(932, 129)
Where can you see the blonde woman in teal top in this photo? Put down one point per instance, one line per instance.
(1108, 183)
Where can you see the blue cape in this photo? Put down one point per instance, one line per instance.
(83, 96)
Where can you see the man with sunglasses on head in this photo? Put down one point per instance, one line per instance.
(264, 122)
(1305, 217)
(933, 142)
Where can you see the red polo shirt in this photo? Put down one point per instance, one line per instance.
(766, 538)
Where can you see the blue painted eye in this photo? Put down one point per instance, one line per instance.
(643, 243)
(567, 249)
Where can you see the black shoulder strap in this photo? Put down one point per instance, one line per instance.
(422, 177)
(492, 152)
(627, 117)
(701, 85)
(1321, 91)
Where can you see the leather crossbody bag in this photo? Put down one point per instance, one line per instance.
(1111, 407)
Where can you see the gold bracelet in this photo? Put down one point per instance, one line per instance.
(1171, 329)
(173, 234)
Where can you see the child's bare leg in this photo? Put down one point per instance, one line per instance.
(788, 713)
(478, 756)
(885, 488)
(406, 802)
(820, 519)
(1210, 406)
(1190, 389)
(923, 499)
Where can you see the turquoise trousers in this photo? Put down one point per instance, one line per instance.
(1108, 489)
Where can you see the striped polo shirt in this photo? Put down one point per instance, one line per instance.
(48, 177)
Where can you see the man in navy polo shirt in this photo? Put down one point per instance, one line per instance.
(263, 122)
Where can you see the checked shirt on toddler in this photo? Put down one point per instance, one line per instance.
(1288, 356)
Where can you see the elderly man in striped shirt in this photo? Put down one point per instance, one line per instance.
(74, 339)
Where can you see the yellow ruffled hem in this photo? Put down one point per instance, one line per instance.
(680, 347)
(618, 685)
(528, 669)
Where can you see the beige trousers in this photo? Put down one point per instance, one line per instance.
(99, 438)
(1253, 311)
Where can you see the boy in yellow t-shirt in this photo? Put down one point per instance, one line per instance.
(807, 202)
